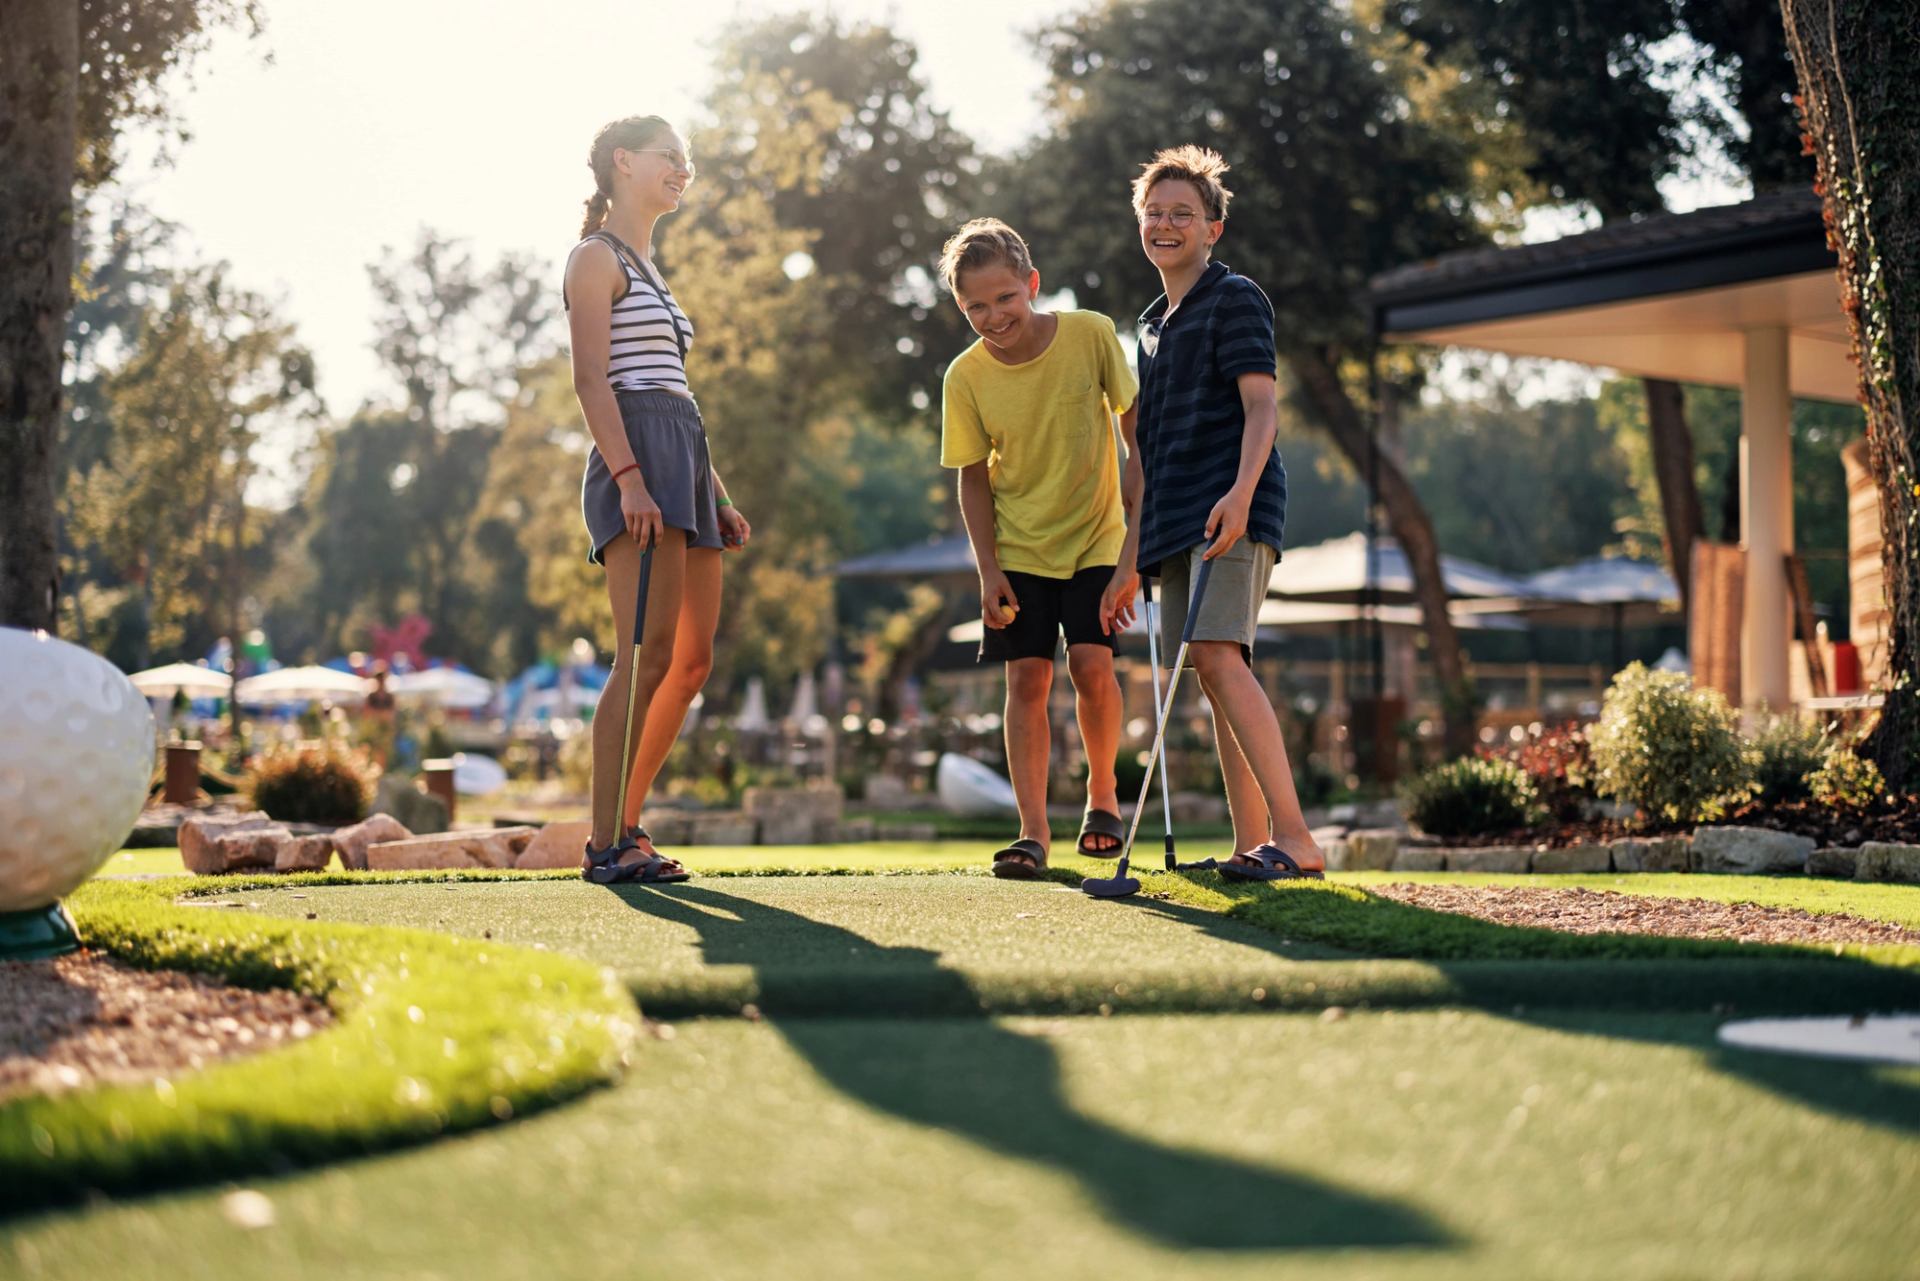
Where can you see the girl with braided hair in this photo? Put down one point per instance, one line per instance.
(650, 483)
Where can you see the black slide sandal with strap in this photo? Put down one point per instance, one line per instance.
(1017, 868)
(1102, 823)
(1274, 864)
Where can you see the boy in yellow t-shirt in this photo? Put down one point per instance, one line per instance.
(1027, 421)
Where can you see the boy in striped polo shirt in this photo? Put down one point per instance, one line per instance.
(1026, 422)
(1208, 484)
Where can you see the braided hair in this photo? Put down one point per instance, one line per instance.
(630, 133)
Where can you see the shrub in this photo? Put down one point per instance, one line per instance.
(1471, 796)
(312, 783)
(1787, 753)
(576, 762)
(1672, 750)
(1846, 781)
(1559, 763)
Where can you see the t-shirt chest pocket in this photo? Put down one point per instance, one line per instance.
(1077, 412)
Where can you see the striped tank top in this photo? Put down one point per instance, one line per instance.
(649, 335)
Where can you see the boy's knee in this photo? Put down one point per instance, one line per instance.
(1214, 659)
(1029, 679)
(1090, 667)
(692, 669)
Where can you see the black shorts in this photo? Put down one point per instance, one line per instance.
(1049, 606)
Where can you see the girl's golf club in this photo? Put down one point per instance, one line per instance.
(633, 685)
(1120, 885)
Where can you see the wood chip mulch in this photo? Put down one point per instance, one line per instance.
(1584, 911)
(84, 1019)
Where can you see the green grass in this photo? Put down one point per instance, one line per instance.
(1435, 1146)
(929, 944)
(861, 856)
(1566, 1113)
(433, 1034)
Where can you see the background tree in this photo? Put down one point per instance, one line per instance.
(1859, 68)
(1609, 111)
(159, 512)
(71, 74)
(1341, 169)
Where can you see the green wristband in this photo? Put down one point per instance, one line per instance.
(724, 502)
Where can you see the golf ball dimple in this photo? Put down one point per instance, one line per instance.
(76, 756)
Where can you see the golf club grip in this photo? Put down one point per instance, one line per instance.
(1193, 607)
(640, 598)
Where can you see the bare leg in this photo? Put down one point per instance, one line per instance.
(656, 656)
(1237, 698)
(692, 660)
(1096, 703)
(1029, 743)
(1252, 822)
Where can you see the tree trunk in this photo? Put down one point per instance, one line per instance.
(1671, 444)
(1859, 67)
(1411, 527)
(39, 67)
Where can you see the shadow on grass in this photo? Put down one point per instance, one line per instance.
(1002, 1090)
(1655, 990)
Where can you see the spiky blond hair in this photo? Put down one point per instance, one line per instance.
(1201, 166)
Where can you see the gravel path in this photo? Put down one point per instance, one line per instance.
(84, 1019)
(1584, 911)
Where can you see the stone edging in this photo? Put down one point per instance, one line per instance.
(1732, 850)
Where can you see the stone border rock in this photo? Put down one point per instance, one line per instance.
(1729, 850)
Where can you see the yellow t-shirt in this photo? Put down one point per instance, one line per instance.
(1044, 431)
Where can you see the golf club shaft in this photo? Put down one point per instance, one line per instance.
(633, 688)
(1153, 656)
(1166, 712)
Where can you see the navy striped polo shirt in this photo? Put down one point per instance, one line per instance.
(1191, 420)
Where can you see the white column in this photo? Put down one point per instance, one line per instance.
(1766, 518)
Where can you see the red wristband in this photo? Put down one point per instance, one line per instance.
(624, 470)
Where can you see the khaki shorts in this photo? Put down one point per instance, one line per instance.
(1231, 610)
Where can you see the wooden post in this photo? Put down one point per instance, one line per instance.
(183, 774)
(439, 779)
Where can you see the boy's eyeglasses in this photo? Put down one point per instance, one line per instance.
(1174, 217)
(681, 162)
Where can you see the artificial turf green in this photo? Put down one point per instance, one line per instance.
(432, 1034)
(1430, 1146)
(920, 945)
(862, 856)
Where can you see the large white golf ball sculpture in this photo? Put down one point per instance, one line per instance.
(76, 759)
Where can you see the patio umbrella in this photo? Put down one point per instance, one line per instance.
(300, 685)
(1309, 618)
(195, 680)
(1606, 591)
(752, 717)
(447, 686)
(1338, 571)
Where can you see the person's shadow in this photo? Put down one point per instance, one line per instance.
(1676, 1000)
(971, 1076)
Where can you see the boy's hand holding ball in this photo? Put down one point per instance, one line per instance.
(998, 604)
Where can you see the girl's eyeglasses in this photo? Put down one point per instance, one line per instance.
(679, 161)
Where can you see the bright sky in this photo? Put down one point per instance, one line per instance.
(378, 117)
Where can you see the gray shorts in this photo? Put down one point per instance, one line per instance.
(670, 444)
(1231, 610)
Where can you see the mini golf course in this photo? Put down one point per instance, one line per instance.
(926, 1072)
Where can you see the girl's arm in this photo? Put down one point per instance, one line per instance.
(593, 281)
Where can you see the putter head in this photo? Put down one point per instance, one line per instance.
(1110, 886)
